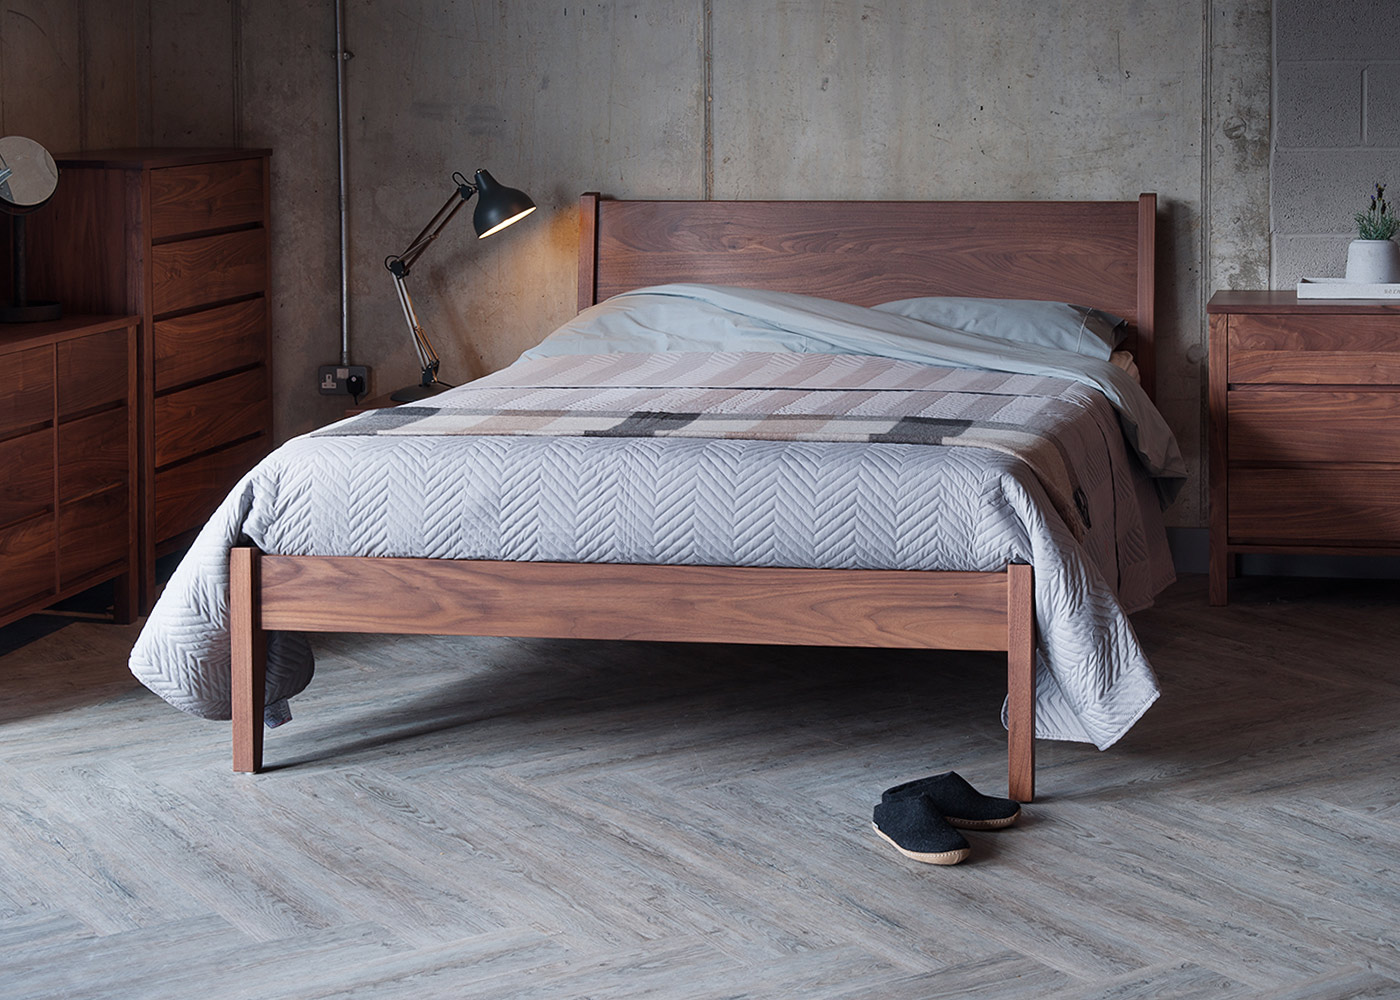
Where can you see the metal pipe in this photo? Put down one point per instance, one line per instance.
(341, 57)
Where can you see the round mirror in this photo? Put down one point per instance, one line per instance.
(28, 175)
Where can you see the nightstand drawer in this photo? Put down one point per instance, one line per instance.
(206, 196)
(208, 415)
(1314, 350)
(1315, 506)
(1303, 425)
(207, 270)
(186, 494)
(204, 344)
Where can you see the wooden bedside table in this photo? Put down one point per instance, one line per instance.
(1304, 428)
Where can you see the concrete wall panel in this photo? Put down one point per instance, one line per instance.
(193, 71)
(41, 64)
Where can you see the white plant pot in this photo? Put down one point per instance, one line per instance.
(1373, 261)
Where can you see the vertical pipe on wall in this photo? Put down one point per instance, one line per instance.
(341, 56)
(707, 99)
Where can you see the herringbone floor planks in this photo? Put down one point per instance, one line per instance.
(512, 819)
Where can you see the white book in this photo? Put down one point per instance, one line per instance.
(1340, 288)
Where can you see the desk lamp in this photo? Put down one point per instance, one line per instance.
(497, 207)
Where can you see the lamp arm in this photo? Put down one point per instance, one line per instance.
(427, 357)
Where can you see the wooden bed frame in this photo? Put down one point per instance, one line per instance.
(1095, 253)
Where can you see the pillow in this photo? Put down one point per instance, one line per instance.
(1058, 325)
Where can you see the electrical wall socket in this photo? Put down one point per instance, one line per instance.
(332, 380)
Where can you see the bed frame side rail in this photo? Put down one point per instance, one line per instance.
(868, 608)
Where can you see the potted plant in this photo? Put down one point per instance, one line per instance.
(1374, 257)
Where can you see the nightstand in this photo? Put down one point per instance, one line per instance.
(1304, 428)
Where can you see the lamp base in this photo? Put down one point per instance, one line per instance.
(31, 312)
(414, 393)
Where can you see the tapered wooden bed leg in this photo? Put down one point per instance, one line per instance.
(1020, 682)
(248, 648)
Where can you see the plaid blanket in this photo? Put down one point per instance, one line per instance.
(781, 397)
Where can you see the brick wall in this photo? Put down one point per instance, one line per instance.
(1336, 127)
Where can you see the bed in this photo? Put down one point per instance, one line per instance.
(859, 253)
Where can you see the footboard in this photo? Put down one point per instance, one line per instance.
(819, 607)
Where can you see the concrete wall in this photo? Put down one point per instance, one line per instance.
(1337, 134)
(688, 99)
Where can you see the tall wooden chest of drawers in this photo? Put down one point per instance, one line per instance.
(180, 238)
(67, 462)
(1304, 428)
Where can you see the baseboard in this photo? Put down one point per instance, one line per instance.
(1191, 554)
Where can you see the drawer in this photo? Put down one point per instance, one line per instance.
(206, 196)
(94, 454)
(26, 485)
(211, 414)
(1301, 425)
(1314, 350)
(26, 562)
(206, 270)
(188, 493)
(26, 392)
(93, 534)
(201, 345)
(92, 372)
(1319, 506)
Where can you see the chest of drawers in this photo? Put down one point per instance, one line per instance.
(68, 455)
(180, 238)
(1304, 405)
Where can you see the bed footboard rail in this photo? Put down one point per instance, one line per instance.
(766, 605)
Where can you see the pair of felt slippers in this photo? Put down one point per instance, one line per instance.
(921, 818)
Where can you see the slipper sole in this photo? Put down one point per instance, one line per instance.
(934, 858)
(984, 824)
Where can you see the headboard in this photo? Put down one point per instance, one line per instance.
(1094, 253)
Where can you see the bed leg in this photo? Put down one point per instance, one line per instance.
(248, 648)
(1020, 682)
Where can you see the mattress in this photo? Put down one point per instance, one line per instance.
(350, 490)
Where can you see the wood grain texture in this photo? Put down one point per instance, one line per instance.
(205, 416)
(27, 565)
(93, 537)
(92, 372)
(26, 484)
(95, 454)
(1020, 682)
(187, 493)
(211, 195)
(871, 252)
(205, 344)
(248, 664)
(1359, 507)
(207, 270)
(1217, 444)
(1315, 348)
(532, 819)
(1283, 426)
(27, 398)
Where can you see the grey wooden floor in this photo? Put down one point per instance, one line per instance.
(499, 818)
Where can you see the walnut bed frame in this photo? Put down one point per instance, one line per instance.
(1095, 253)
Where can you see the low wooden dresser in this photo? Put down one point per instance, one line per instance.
(1304, 428)
(67, 462)
(180, 238)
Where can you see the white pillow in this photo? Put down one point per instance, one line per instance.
(1058, 325)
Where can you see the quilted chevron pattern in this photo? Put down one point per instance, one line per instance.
(730, 502)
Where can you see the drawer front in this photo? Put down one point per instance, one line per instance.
(206, 196)
(211, 414)
(1314, 350)
(26, 392)
(26, 562)
(1284, 426)
(26, 483)
(198, 272)
(94, 454)
(203, 344)
(188, 493)
(92, 372)
(93, 535)
(1322, 506)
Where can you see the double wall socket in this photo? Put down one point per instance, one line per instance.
(334, 380)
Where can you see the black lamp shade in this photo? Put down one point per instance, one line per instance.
(497, 206)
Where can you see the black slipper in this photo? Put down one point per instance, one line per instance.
(960, 803)
(917, 830)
